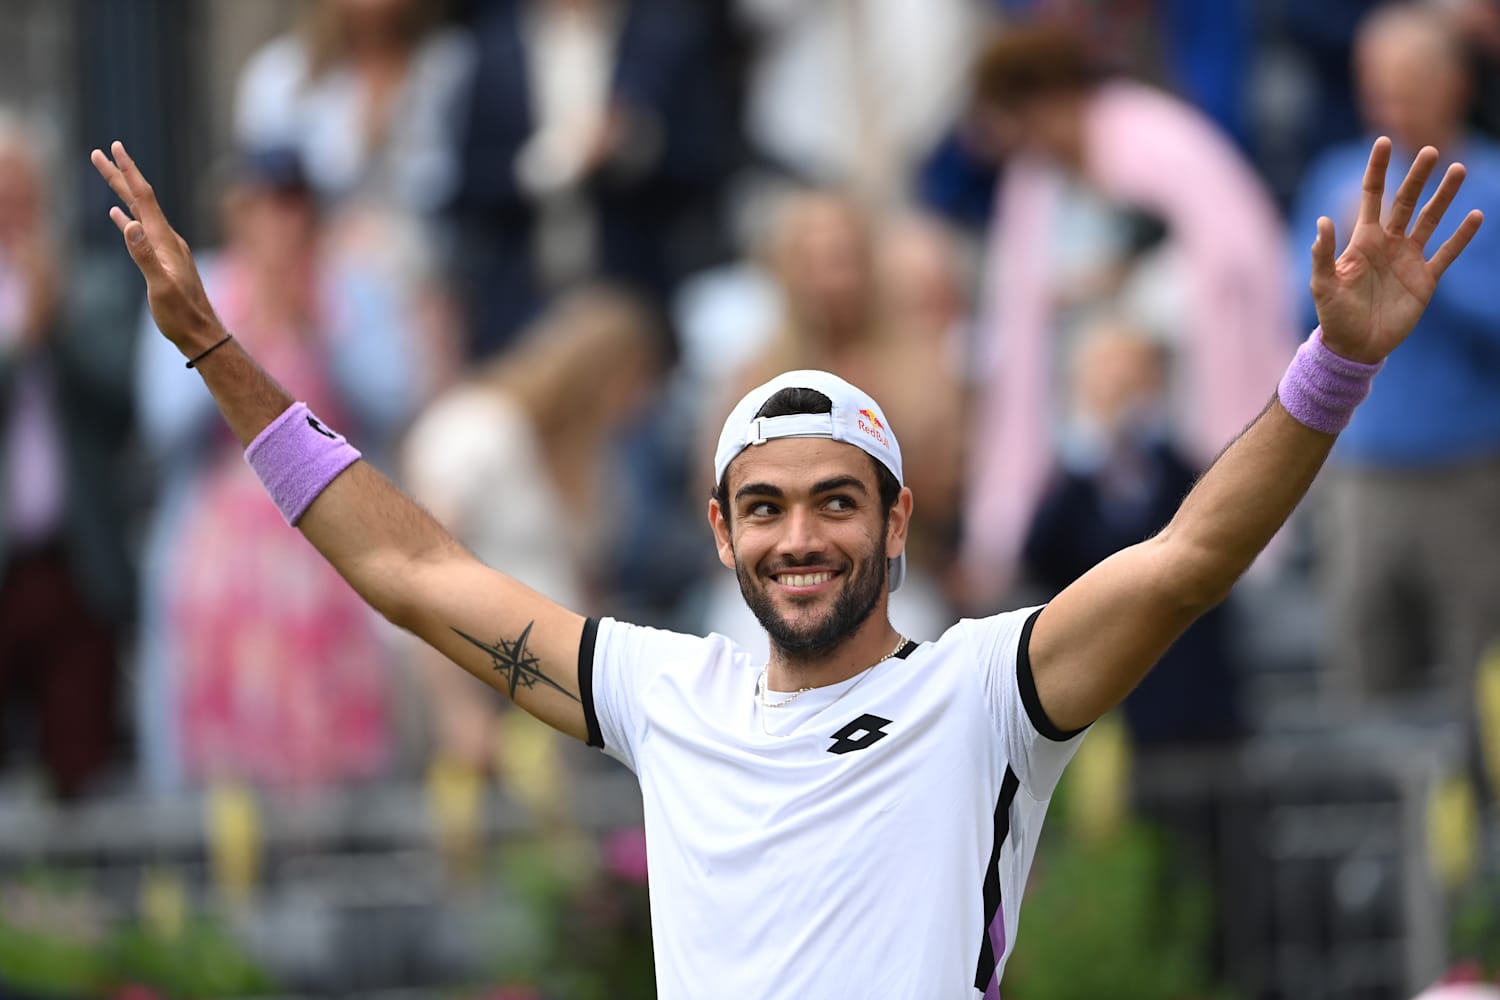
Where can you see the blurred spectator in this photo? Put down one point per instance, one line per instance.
(1301, 97)
(65, 581)
(517, 462)
(1116, 199)
(594, 143)
(1477, 23)
(877, 305)
(853, 93)
(1197, 50)
(365, 91)
(1202, 52)
(1411, 551)
(1119, 479)
(257, 660)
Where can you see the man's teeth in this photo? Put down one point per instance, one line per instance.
(805, 579)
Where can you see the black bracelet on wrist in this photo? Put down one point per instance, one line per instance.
(193, 361)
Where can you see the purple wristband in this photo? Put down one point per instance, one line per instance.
(296, 457)
(1321, 389)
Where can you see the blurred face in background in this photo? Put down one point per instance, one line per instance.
(921, 279)
(1048, 125)
(1412, 81)
(823, 262)
(1118, 378)
(376, 16)
(269, 224)
(20, 197)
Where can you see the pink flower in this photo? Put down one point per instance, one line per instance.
(512, 993)
(137, 992)
(625, 855)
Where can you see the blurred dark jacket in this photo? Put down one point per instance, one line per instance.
(87, 358)
(1190, 695)
(655, 212)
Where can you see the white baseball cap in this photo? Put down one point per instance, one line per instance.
(854, 419)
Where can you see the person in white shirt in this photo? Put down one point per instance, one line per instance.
(855, 817)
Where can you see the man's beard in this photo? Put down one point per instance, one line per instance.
(855, 603)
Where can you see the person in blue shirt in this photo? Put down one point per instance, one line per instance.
(1411, 550)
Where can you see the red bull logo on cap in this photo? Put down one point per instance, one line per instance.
(873, 426)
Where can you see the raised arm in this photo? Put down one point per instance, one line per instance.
(1100, 636)
(395, 556)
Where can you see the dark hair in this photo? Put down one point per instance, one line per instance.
(1021, 62)
(799, 400)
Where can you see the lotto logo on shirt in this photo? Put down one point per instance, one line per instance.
(873, 426)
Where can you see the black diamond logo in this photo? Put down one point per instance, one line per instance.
(864, 731)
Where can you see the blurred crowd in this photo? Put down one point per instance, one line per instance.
(528, 252)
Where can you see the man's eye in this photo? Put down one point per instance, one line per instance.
(761, 509)
(840, 503)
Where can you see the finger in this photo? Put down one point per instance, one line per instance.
(111, 175)
(1373, 189)
(1322, 252)
(119, 218)
(1410, 190)
(1454, 245)
(142, 201)
(140, 249)
(1437, 205)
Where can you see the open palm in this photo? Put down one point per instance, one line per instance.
(1371, 296)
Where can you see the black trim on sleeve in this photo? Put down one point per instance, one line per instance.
(1027, 683)
(586, 680)
(987, 957)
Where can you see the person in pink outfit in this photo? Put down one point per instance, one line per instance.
(258, 663)
(1067, 134)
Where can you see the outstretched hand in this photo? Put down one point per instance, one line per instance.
(1371, 296)
(174, 290)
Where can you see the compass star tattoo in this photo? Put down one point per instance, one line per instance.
(518, 664)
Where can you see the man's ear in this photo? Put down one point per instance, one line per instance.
(717, 521)
(898, 523)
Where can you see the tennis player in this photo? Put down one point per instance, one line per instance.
(856, 817)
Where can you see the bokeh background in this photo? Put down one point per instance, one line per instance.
(527, 253)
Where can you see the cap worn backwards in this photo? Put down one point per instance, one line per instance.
(855, 418)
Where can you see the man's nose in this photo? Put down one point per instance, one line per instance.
(802, 535)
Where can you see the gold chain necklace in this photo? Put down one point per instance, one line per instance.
(760, 684)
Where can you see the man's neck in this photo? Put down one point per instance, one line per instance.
(875, 641)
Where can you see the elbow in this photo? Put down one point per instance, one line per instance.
(389, 585)
(397, 610)
(1197, 578)
(404, 588)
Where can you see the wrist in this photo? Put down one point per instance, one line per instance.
(296, 457)
(1339, 350)
(1322, 388)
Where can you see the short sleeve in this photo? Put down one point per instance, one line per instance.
(618, 664)
(1035, 748)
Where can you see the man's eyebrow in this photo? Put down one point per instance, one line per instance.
(840, 483)
(758, 490)
(851, 483)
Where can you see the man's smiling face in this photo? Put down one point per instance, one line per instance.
(807, 535)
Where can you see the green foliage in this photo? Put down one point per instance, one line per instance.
(569, 928)
(57, 939)
(202, 961)
(1118, 919)
(48, 964)
(51, 933)
(1476, 925)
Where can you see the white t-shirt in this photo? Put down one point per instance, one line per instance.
(873, 843)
